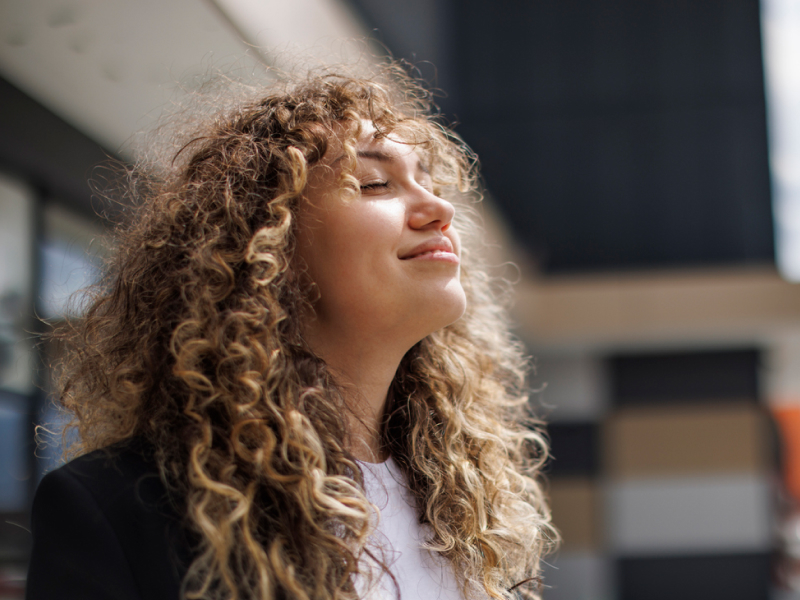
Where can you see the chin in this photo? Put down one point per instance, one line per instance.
(459, 305)
(452, 306)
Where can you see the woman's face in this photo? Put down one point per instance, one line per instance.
(386, 264)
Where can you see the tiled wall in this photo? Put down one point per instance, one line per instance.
(663, 478)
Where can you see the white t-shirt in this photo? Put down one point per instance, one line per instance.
(398, 539)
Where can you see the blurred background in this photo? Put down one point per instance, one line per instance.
(642, 167)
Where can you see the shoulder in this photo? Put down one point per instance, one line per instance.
(122, 476)
(105, 519)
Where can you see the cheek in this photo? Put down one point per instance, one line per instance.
(371, 229)
(352, 249)
(452, 233)
(368, 215)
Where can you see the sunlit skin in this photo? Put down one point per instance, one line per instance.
(387, 269)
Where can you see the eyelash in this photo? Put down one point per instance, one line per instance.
(385, 184)
(374, 186)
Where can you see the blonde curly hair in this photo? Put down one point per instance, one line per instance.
(193, 341)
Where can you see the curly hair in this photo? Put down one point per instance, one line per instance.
(193, 341)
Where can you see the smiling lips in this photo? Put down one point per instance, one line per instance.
(440, 249)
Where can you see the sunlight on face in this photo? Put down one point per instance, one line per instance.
(387, 263)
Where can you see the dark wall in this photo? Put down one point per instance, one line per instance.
(52, 155)
(616, 134)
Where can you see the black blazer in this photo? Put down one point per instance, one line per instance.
(103, 529)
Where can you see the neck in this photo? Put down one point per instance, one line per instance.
(365, 369)
(366, 390)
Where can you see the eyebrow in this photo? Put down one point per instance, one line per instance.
(382, 156)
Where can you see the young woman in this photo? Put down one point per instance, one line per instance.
(293, 381)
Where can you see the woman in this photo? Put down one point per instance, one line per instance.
(293, 382)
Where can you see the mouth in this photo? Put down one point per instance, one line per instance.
(440, 249)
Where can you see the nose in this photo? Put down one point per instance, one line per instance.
(429, 211)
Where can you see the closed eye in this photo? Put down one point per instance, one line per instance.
(377, 185)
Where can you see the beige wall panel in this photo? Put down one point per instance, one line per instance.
(642, 309)
(574, 502)
(646, 442)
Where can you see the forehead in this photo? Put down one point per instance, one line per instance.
(388, 152)
(371, 145)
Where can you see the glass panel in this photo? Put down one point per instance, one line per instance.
(49, 443)
(51, 417)
(13, 452)
(780, 22)
(70, 259)
(16, 268)
(71, 252)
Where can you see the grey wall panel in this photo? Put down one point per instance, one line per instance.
(713, 514)
(577, 576)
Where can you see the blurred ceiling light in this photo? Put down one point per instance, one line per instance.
(320, 31)
(780, 22)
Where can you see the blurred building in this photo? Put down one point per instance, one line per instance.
(626, 152)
